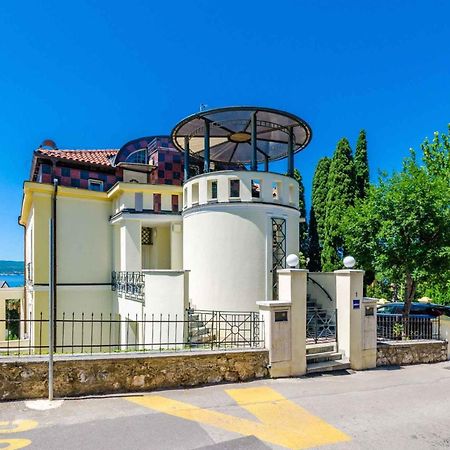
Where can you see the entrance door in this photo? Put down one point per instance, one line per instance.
(278, 252)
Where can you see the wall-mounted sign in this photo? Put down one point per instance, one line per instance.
(356, 303)
(281, 316)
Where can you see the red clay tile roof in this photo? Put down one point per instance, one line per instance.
(99, 157)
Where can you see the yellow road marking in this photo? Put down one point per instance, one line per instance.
(270, 407)
(277, 430)
(20, 425)
(14, 444)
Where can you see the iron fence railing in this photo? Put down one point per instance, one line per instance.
(321, 325)
(108, 333)
(226, 329)
(397, 327)
(131, 284)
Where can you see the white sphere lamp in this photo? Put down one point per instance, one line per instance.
(349, 262)
(292, 260)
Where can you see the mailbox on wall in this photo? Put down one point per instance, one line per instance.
(281, 335)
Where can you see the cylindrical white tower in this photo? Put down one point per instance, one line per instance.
(238, 228)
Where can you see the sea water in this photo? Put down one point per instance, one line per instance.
(13, 279)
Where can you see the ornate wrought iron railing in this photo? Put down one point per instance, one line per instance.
(225, 329)
(131, 284)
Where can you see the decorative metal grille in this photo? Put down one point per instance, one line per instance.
(147, 236)
(278, 251)
(225, 329)
(321, 325)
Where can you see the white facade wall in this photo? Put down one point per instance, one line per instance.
(227, 244)
(328, 281)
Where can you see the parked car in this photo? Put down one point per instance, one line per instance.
(422, 309)
(421, 323)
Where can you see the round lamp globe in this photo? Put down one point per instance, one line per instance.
(292, 260)
(349, 262)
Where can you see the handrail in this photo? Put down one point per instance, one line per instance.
(321, 287)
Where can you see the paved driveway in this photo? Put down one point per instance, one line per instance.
(396, 408)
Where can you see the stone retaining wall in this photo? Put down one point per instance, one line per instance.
(26, 377)
(401, 353)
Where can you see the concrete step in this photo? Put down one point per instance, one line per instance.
(325, 356)
(202, 339)
(320, 348)
(198, 331)
(327, 366)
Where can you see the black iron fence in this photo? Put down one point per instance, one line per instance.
(91, 333)
(131, 284)
(397, 327)
(225, 329)
(321, 325)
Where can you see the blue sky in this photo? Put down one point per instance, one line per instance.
(95, 74)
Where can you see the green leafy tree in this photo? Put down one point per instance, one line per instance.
(314, 264)
(402, 228)
(340, 195)
(319, 194)
(361, 164)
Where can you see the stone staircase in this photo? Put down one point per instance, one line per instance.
(322, 354)
(324, 358)
(199, 333)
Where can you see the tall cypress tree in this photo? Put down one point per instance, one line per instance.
(319, 195)
(361, 165)
(303, 226)
(340, 195)
(314, 264)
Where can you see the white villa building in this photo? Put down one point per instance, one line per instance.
(165, 223)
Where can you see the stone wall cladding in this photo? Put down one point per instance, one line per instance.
(90, 375)
(417, 352)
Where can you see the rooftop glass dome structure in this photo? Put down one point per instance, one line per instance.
(241, 135)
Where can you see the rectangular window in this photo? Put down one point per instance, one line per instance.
(235, 186)
(185, 197)
(95, 185)
(291, 194)
(139, 201)
(195, 193)
(256, 188)
(175, 203)
(212, 190)
(276, 190)
(156, 203)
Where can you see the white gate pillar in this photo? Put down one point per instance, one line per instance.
(356, 320)
(285, 324)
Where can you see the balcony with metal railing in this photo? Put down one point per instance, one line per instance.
(130, 284)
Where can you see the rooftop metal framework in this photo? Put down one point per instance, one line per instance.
(241, 135)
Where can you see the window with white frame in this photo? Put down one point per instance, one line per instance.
(95, 185)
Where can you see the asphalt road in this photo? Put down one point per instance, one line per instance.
(394, 408)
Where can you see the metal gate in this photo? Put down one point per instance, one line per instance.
(321, 325)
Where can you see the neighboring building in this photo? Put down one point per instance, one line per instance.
(154, 228)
